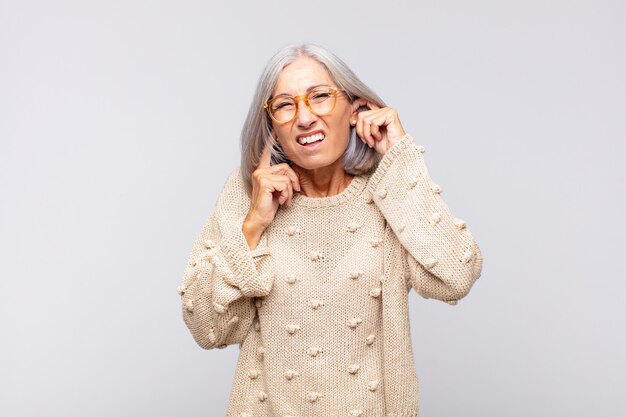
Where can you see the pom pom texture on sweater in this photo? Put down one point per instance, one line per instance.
(319, 308)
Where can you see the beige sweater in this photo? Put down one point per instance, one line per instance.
(320, 307)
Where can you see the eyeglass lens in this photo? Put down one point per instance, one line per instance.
(320, 100)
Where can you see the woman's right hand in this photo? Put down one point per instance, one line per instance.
(272, 186)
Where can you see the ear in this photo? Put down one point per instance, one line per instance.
(274, 137)
(357, 104)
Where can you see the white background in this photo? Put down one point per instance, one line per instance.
(120, 120)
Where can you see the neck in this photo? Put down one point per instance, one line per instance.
(322, 182)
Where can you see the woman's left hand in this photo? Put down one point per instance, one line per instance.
(379, 128)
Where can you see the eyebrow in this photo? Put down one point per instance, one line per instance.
(307, 90)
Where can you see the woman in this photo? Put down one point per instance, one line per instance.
(314, 244)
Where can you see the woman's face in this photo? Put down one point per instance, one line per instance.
(295, 80)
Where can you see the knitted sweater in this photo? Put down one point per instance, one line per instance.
(320, 307)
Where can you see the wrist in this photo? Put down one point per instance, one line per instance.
(252, 231)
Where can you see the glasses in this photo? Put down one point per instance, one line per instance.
(320, 101)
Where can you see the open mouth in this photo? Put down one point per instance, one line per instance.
(307, 140)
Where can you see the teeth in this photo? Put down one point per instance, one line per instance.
(312, 138)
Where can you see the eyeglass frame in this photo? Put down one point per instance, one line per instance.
(335, 91)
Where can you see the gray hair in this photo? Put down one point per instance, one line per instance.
(256, 132)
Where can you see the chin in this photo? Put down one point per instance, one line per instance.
(312, 163)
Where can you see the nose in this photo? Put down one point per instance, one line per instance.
(305, 118)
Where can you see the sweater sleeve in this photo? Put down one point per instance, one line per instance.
(442, 259)
(223, 276)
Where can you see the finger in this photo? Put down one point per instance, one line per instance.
(285, 169)
(266, 156)
(281, 184)
(373, 105)
(272, 182)
(360, 129)
(290, 198)
(370, 127)
(367, 131)
(295, 180)
(389, 121)
(375, 131)
(285, 194)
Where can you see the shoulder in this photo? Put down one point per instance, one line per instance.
(234, 180)
(234, 197)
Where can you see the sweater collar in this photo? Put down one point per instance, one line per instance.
(356, 187)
